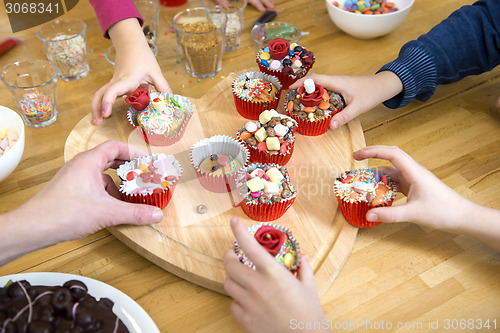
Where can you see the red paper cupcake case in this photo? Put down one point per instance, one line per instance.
(251, 110)
(355, 213)
(311, 128)
(286, 80)
(160, 139)
(257, 156)
(159, 200)
(267, 212)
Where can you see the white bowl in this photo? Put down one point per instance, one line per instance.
(9, 160)
(368, 26)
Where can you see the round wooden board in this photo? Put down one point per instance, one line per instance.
(192, 245)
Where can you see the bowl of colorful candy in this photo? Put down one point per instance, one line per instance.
(11, 141)
(263, 33)
(366, 19)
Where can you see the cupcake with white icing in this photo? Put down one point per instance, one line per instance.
(150, 179)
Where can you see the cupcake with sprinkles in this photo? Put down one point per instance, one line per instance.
(287, 62)
(265, 191)
(358, 191)
(278, 241)
(255, 92)
(271, 139)
(161, 119)
(150, 179)
(217, 161)
(312, 106)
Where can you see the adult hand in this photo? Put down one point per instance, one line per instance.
(360, 93)
(269, 298)
(134, 66)
(262, 5)
(77, 202)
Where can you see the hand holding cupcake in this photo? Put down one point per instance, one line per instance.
(312, 106)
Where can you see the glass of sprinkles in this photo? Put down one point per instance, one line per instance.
(234, 9)
(33, 85)
(65, 45)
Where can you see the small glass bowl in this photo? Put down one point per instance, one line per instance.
(263, 33)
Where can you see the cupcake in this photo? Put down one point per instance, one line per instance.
(271, 139)
(217, 161)
(255, 92)
(265, 191)
(312, 106)
(161, 119)
(358, 191)
(287, 62)
(278, 241)
(149, 180)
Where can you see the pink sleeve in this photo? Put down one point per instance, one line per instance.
(109, 12)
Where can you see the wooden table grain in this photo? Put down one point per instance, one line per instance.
(398, 278)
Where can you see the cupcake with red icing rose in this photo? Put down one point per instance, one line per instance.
(358, 191)
(278, 241)
(217, 161)
(287, 62)
(271, 139)
(150, 179)
(161, 119)
(265, 191)
(312, 106)
(255, 92)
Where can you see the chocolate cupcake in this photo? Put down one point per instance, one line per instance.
(358, 191)
(217, 162)
(287, 62)
(265, 191)
(312, 106)
(255, 92)
(161, 119)
(271, 139)
(150, 179)
(278, 241)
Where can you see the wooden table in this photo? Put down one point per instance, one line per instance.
(396, 273)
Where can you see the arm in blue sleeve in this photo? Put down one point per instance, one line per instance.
(466, 43)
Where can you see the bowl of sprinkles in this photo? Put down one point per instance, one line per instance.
(366, 19)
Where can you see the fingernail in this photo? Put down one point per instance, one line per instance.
(157, 215)
(372, 217)
(334, 124)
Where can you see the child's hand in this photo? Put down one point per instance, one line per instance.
(262, 5)
(270, 298)
(134, 66)
(360, 93)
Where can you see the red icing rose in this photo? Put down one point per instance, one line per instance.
(270, 238)
(279, 48)
(139, 99)
(311, 99)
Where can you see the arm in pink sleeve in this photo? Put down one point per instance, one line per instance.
(109, 12)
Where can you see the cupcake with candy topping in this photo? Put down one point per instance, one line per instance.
(287, 62)
(255, 92)
(312, 106)
(161, 119)
(265, 191)
(271, 139)
(150, 179)
(358, 191)
(217, 162)
(278, 241)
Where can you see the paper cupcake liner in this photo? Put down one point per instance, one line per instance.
(218, 144)
(268, 211)
(355, 212)
(310, 128)
(257, 156)
(159, 200)
(286, 80)
(160, 139)
(252, 110)
(253, 229)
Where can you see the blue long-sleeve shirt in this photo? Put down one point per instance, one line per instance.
(465, 43)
